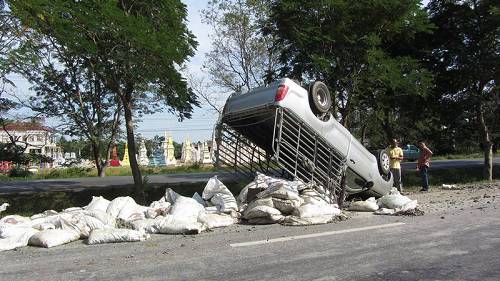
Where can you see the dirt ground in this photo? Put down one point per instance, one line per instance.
(458, 198)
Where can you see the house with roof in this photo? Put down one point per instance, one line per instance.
(35, 137)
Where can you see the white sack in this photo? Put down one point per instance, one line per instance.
(393, 200)
(260, 183)
(3, 207)
(268, 202)
(280, 190)
(73, 210)
(135, 212)
(219, 195)
(197, 197)
(212, 210)
(171, 196)
(98, 204)
(225, 202)
(175, 225)
(146, 225)
(13, 225)
(216, 220)
(309, 210)
(16, 220)
(91, 223)
(299, 185)
(214, 186)
(53, 237)
(44, 226)
(242, 196)
(41, 222)
(44, 214)
(407, 207)
(325, 193)
(186, 208)
(116, 235)
(117, 204)
(370, 205)
(286, 206)
(76, 223)
(262, 212)
(266, 220)
(270, 181)
(311, 196)
(384, 211)
(104, 217)
(19, 240)
(13, 229)
(296, 221)
(161, 207)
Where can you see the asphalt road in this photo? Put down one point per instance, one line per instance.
(126, 181)
(446, 164)
(76, 184)
(462, 245)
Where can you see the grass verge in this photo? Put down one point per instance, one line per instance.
(76, 172)
(437, 177)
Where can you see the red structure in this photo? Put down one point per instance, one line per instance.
(114, 162)
(5, 166)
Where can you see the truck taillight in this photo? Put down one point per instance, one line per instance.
(281, 93)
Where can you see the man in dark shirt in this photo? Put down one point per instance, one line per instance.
(424, 161)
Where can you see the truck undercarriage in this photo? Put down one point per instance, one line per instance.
(275, 141)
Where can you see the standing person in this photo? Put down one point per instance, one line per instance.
(424, 161)
(396, 156)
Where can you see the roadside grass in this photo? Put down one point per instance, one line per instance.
(411, 178)
(76, 172)
(476, 155)
(27, 204)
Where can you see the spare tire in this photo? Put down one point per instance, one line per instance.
(383, 161)
(319, 98)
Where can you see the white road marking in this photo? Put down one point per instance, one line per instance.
(313, 235)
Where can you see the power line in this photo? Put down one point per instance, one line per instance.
(173, 130)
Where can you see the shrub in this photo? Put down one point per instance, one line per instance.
(19, 173)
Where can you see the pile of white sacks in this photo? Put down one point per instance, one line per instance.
(391, 204)
(270, 200)
(265, 200)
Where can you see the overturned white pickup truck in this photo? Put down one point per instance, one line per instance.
(285, 130)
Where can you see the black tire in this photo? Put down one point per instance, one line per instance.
(383, 161)
(319, 98)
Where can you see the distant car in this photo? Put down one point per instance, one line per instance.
(292, 128)
(410, 152)
(33, 169)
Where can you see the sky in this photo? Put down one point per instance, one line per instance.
(203, 120)
(201, 125)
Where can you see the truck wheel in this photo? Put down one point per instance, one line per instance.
(319, 98)
(383, 161)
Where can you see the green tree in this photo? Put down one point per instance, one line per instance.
(135, 48)
(466, 59)
(241, 56)
(361, 49)
(68, 89)
(10, 34)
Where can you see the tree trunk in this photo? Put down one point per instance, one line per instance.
(487, 145)
(97, 159)
(387, 126)
(104, 166)
(136, 173)
(363, 133)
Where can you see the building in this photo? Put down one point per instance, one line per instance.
(37, 138)
(143, 154)
(169, 150)
(187, 152)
